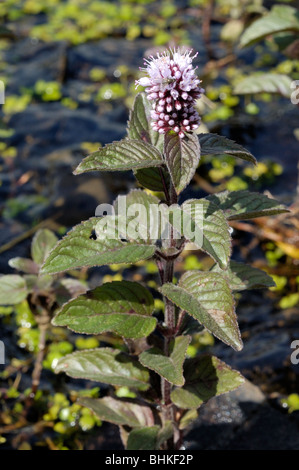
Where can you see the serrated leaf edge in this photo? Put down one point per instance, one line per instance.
(212, 333)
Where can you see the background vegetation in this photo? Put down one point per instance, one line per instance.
(69, 69)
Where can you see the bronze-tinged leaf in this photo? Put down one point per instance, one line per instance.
(206, 377)
(238, 205)
(122, 307)
(204, 224)
(170, 367)
(120, 412)
(207, 297)
(214, 144)
(139, 125)
(149, 438)
(241, 276)
(182, 157)
(127, 154)
(105, 365)
(81, 247)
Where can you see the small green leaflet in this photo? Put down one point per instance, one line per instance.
(171, 368)
(122, 307)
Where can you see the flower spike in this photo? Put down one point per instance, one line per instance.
(173, 87)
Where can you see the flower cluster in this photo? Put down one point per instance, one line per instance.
(173, 87)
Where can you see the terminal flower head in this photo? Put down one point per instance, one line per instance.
(173, 87)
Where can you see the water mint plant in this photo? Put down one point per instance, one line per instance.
(161, 147)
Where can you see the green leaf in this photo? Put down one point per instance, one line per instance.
(36, 282)
(171, 368)
(187, 418)
(122, 307)
(265, 83)
(143, 221)
(13, 289)
(214, 144)
(182, 158)
(43, 242)
(105, 365)
(280, 19)
(238, 205)
(149, 438)
(151, 178)
(206, 377)
(127, 154)
(119, 412)
(71, 287)
(241, 276)
(139, 125)
(207, 297)
(143, 439)
(78, 248)
(205, 226)
(24, 264)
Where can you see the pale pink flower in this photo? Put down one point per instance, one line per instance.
(173, 87)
